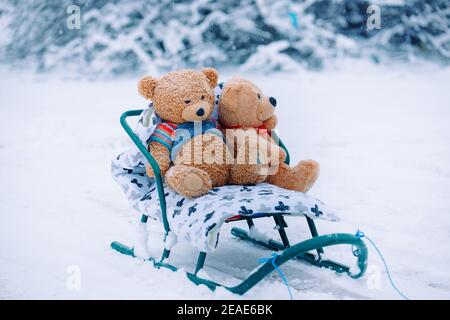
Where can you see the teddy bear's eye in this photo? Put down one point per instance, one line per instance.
(187, 101)
(203, 97)
(259, 96)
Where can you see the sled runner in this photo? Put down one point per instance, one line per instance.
(199, 220)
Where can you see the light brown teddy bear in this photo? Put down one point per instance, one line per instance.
(245, 109)
(184, 100)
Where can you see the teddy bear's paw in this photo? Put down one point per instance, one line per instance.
(189, 181)
(195, 183)
(306, 172)
(192, 182)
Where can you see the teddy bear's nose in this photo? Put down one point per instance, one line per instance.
(273, 101)
(200, 112)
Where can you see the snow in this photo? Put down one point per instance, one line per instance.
(140, 243)
(171, 240)
(381, 135)
(256, 234)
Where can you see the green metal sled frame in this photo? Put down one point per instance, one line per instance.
(299, 251)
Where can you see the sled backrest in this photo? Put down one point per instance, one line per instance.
(151, 160)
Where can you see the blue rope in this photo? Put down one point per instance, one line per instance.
(294, 19)
(283, 277)
(359, 234)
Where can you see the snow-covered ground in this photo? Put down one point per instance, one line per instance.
(382, 136)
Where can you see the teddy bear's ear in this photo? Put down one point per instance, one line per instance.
(212, 75)
(229, 97)
(146, 87)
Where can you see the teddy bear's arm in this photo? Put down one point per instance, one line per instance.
(162, 157)
(272, 149)
(239, 137)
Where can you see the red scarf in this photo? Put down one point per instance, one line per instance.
(261, 129)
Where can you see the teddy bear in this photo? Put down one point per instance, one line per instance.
(244, 109)
(188, 148)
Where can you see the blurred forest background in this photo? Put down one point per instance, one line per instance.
(118, 37)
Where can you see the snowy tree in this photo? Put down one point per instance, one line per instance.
(118, 36)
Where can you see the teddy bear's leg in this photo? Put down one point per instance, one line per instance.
(218, 173)
(188, 181)
(246, 174)
(299, 178)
